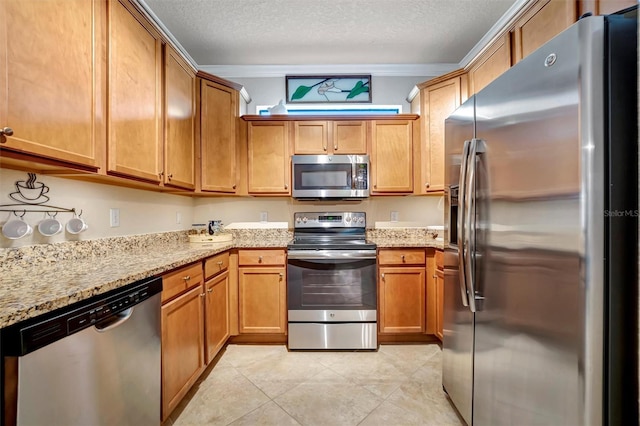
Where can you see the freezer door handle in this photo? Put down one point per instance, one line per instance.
(461, 222)
(477, 147)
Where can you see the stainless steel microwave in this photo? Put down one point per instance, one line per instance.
(330, 176)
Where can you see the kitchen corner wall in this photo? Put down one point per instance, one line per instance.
(424, 210)
(141, 212)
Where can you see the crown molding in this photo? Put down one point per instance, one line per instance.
(381, 70)
(505, 21)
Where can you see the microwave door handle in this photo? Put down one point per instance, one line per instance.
(461, 231)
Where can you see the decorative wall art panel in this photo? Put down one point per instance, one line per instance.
(328, 88)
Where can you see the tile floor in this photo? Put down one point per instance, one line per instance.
(267, 385)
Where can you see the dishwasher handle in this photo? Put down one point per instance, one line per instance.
(114, 321)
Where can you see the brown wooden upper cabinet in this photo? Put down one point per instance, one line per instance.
(135, 95)
(543, 21)
(268, 162)
(52, 80)
(179, 134)
(218, 120)
(603, 7)
(330, 137)
(495, 60)
(438, 98)
(391, 156)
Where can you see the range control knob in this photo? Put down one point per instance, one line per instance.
(298, 220)
(361, 219)
(347, 219)
(304, 219)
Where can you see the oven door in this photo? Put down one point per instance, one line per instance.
(331, 285)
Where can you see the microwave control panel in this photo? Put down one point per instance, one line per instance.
(361, 176)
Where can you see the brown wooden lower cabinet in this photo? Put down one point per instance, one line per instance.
(262, 291)
(216, 314)
(439, 293)
(182, 322)
(401, 290)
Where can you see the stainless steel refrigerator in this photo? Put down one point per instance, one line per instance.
(541, 236)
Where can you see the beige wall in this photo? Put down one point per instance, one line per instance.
(426, 210)
(143, 212)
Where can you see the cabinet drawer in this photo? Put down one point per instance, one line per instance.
(261, 257)
(439, 256)
(216, 264)
(180, 280)
(401, 257)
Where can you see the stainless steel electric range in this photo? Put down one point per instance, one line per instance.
(331, 283)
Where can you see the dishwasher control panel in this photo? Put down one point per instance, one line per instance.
(29, 335)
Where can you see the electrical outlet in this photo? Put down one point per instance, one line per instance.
(394, 216)
(263, 216)
(178, 217)
(114, 217)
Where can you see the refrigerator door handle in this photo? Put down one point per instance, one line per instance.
(461, 223)
(477, 147)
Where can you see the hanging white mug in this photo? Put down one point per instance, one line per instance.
(16, 228)
(76, 225)
(49, 226)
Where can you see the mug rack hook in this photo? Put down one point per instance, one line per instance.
(24, 212)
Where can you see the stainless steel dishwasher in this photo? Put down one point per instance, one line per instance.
(96, 362)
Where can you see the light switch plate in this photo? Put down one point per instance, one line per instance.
(263, 216)
(114, 217)
(394, 216)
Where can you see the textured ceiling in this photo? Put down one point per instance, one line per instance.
(277, 32)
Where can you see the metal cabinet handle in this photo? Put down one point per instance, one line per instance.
(234, 186)
(186, 278)
(220, 263)
(382, 276)
(281, 274)
(170, 176)
(210, 290)
(7, 131)
(402, 258)
(202, 295)
(335, 146)
(286, 186)
(160, 175)
(259, 259)
(426, 184)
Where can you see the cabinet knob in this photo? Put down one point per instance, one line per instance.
(259, 259)
(426, 184)
(382, 276)
(170, 176)
(220, 263)
(402, 258)
(234, 186)
(7, 131)
(375, 186)
(202, 294)
(435, 276)
(160, 175)
(210, 290)
(281, 274)
(286, 186)
(186, 278)
(335, 146)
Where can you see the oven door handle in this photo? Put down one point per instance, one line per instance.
(331, 254)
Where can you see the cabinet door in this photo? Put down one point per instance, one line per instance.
(182, 346)
(431, 302)
(218, 115)
(402, 307)
(349, 137)
(262, 294)
(311, 137)
(180, 95)
(52, 79)
(439, 302)
(217, 314)
(491, 64)
(392, 156)
(439, 101)
(545, 20)
(135, 95)
(269, 170)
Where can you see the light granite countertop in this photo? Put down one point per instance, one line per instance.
(39, 279)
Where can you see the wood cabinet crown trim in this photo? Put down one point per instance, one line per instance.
(441, 78)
